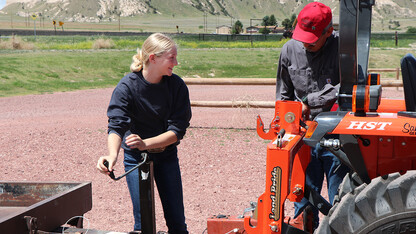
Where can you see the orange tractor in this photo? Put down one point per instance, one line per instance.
(377, 141)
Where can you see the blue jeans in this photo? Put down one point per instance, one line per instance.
(168, 180)
(322, 162)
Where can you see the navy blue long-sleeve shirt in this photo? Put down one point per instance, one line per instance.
(146, 109)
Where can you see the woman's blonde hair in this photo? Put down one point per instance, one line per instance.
(156, 44)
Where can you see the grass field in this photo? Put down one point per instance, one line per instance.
(143, 23)
(69, 63)
(33, 72)
(168, 23)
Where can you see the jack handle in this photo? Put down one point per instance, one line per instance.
(112, 176)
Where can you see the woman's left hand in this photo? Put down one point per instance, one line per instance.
(134, 141)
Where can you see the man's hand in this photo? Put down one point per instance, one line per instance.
(306, 111)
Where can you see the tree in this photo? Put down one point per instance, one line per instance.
(265, 21)
(238, 27)
(269, 21)
(272, 21)
(293, 18)
(264, 30)
(288, 23)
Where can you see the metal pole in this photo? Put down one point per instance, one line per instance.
(147, 201)
(34, 26)
(396, 38)
(271, 81)
(251, 37)
(234, 104)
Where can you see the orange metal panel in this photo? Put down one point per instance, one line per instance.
(217, 225)
(287, 116)
(391, 105)
(290, 113)
(388, 154)
(297, 181)
(270, 205)
(370, 154)
(405, 146)
(385, 147)
(381, 124)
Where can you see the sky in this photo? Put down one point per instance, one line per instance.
(2, 3)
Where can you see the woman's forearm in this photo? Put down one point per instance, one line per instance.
(162, 140)
(114, 144)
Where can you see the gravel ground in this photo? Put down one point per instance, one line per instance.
(59, 137)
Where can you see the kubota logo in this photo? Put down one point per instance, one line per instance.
(363, 125)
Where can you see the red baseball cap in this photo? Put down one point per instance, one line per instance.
(311, 22)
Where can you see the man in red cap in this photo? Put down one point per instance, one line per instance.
(308, 72)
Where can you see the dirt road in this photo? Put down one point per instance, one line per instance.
(59, 137)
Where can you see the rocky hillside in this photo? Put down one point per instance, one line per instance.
(107, 10)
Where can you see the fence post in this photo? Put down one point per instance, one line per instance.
(396, 38)
(397, 75)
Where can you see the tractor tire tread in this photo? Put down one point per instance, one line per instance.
(388, 203)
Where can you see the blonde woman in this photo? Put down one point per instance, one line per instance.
(149, 111)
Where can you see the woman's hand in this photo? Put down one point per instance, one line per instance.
(134, 141)
(111, 162)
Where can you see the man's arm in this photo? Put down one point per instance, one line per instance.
(322, 100)
(284, 85)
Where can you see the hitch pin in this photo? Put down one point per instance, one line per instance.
(279, 140)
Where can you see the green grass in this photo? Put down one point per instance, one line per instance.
(231, 44)
(222, 63)
(84, 43)
(69, 63)
(402, 43)
(46, 72)
(195, 41)
(51, 71)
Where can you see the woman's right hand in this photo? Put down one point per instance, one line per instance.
(111, 162)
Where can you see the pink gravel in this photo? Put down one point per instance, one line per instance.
(59, 137)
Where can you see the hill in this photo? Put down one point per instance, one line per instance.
(385, 14)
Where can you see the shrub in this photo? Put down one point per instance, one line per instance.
(264, 30)
(103, 44)
(16, 43)
(411, 29)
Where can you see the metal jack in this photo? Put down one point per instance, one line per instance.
(147, 198)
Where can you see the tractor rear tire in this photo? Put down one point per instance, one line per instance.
(386, 205)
